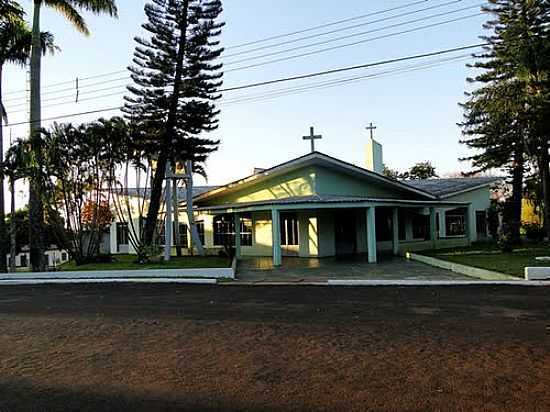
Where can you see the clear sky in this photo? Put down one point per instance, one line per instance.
(416, 112)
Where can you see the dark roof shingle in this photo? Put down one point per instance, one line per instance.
(446, 187)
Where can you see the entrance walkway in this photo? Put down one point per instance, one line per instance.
(356, 267)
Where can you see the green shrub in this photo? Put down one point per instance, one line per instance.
(534, 232)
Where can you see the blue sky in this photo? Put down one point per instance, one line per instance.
(416, 112)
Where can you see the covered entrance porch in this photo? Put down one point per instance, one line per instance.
(334, 227)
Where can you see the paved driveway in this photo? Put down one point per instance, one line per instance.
(320, 270)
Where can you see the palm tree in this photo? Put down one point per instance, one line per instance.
(71, 10)
(15, 48)
(9, 10)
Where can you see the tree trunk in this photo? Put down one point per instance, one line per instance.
(36, 207)
(154, 202)
(513, 217)
(162, 161)
(3, 233)
(544, 167)
(13, 239)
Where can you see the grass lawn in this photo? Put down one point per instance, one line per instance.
(128, 262)
(488, 256)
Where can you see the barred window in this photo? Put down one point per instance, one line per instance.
(224, 230)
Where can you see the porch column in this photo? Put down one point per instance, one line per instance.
(395, 227)
(371, 234)
(470, 218)
(276, 237)
(237, 218)
(433, 227)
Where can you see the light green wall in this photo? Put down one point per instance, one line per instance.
(294, 184)
(330, 182)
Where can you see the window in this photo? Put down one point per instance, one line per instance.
(200, 229)
(183, 234)
(246, 230)
(421, 227)
(289, 230)
(455, 222)
(24, 262)
(224, 230)
(122, 233)
(481, 223)
(63, 257)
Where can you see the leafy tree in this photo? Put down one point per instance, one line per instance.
(96, 216)
(15, 47)
(392, 174)
(21, 223)
(422, 170)
(70, 9)
(176, 82)
(77, 167)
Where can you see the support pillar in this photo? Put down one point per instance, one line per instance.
(470, 217)
(433, 227)
(276, 237)
(237, 218)
(371, 234)
(395, 227)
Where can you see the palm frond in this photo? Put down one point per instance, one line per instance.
(96, 6)
(3, 113)
(66, 9)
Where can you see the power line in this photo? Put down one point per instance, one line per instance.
(362, 66)
(296, 56)
(322, 26)
(80, 79)
(293, 78)
(340, 82)
(412, 4)
(355, 26)
(73, 89)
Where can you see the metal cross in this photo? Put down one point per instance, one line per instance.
(312, 137)
(372, 128)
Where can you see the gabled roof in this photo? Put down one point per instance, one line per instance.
(443, 188)
(313, 159)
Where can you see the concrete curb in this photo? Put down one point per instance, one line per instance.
(22, 282)
(537, 273)
(519, 282)
(461, 269)
(199, 273)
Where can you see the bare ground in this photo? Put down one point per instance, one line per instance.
(230, 348)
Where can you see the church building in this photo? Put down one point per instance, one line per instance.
(318, 206)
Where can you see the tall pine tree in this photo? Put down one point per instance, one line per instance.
(176, 81)
(503, 117)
